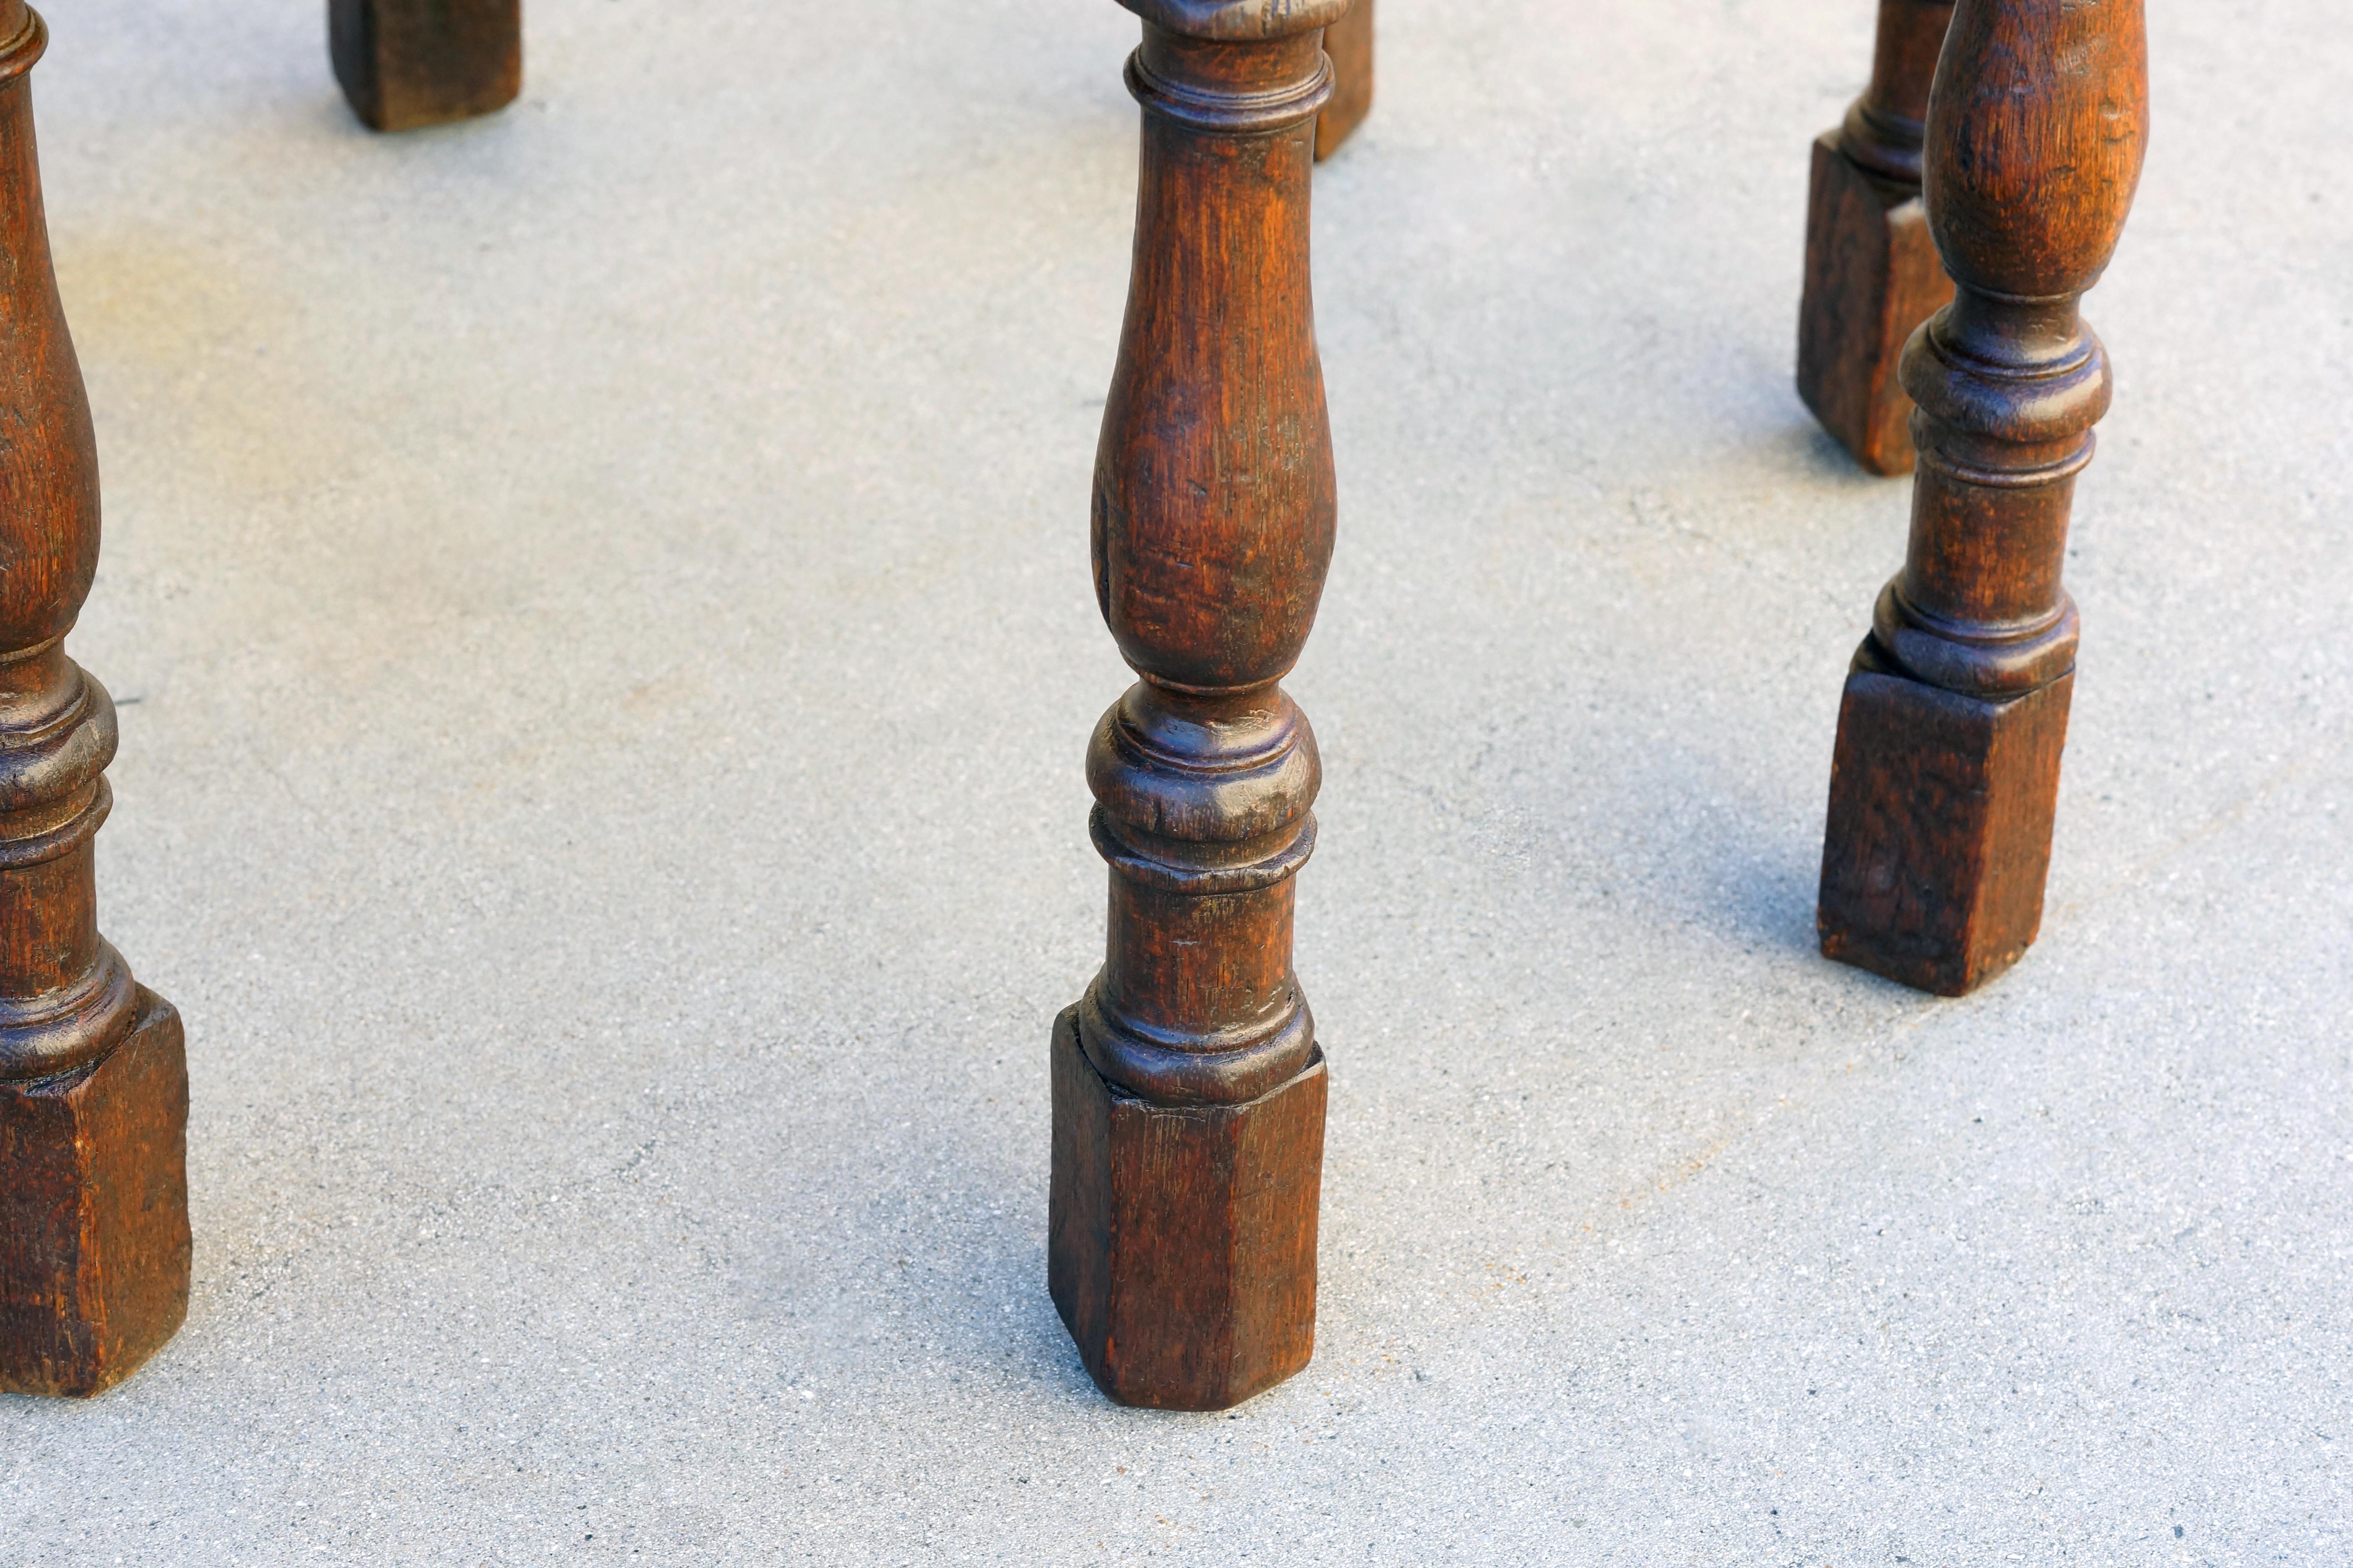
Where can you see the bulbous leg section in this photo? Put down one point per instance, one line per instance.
(1181, 1246)
(1873, 276)
(1940, 821)
(405, 64)
(94, 1248)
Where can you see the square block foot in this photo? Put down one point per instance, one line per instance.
(1872, 277)
(94, 1213)
(1181, 1239)
(405, 64)
(1940, 834)
(1349, 42)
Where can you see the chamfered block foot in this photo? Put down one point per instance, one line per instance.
(1872, 277)
(1939, 838)
(405, 64)
(94, 1250)
(1181, 1239)
(1349, 42)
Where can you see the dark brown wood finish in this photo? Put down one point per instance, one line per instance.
(1349, 42)
(1947, 771)
(1188, 1087)
(1871, 271)
(93, 1080)
(405, 64)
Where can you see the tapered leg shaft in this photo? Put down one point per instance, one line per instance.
(93, 1080)
(1871, 271)
(1946, 778)
(405, 64)
(1188, 1087)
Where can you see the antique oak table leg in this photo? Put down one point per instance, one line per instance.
(93, 1081)
(1872, 272)
(1188, 1089)
(409, 63)
(1349, 42)
(1947, 763)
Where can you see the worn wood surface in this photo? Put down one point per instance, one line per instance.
(1213, 522)
(94, 1246)
(1182, 1237)
(93, 1088)
(1871, 271)
(1945, 776)
(1349, 43)
(405, 64)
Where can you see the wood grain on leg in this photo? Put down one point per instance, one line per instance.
(93, 1080)
(1188, 1087)
(1946, 774)
(405, 64)
(1871, 271)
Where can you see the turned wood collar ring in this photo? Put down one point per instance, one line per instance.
(1972, 657)
(1239, 21)
(1209, 776)
(1886, 128)
(1218, 110)
(1232, 1062)
(58, 1031)
(26, 45)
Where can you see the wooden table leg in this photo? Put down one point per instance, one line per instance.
(405, 64)
(93, 1079)
(1349, 42)
(1947, 763)
(1188, 1088)
(1872, 272)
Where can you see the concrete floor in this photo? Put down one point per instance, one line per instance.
(603, 597)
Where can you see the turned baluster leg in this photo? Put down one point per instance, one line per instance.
(1872, 272)
(405, 64)
(1188, 1089)
(1349, 42)
(1947, 763)
(93, 1080)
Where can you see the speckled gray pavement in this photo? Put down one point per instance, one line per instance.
(601, 598)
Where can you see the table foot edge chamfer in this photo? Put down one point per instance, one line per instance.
(1872, 274)
(1941, 806)
(405, 65)
(95, 1268)
(1163, 1217)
